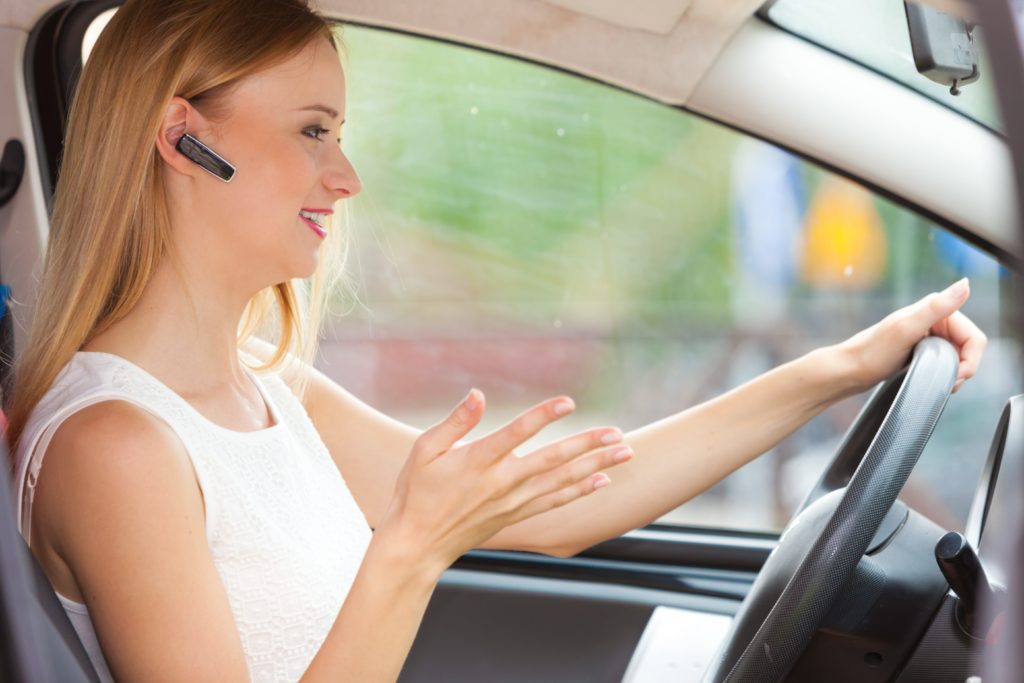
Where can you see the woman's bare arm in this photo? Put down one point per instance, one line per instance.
(119, 520)
(677, 457)
(684, 454)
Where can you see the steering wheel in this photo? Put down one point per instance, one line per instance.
(821, 547)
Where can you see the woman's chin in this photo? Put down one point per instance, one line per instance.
(309, 265)
(295, 265)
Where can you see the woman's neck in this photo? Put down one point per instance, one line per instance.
(184, 335)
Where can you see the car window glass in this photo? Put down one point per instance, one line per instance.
(531, 233)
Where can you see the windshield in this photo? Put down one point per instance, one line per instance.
(874, 33)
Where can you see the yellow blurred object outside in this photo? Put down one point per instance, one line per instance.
(845, 244)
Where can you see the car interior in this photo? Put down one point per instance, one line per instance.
(684, 146)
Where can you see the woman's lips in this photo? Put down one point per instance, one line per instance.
(314, 227)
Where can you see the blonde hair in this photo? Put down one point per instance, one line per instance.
(110, 225)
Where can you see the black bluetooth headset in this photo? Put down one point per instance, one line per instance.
(199, 153)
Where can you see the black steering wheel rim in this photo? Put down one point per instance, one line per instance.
(902, 415)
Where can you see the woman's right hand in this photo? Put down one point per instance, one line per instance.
(451, 496)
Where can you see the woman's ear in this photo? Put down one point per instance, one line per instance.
(180, 117)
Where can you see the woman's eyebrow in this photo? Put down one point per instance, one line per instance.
(333, 113)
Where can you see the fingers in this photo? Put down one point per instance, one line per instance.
(565, 450)
(940, 305)
(459, 422)
(563, 496)
(969, 340)
(525, 426)
(939, 314)
(560, 484)
(572, 473)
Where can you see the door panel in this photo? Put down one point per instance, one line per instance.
(504, 628)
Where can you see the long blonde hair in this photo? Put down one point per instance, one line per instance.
(110, 225)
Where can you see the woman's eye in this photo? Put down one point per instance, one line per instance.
(316, 132)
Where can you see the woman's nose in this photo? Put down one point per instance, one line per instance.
(341, 178)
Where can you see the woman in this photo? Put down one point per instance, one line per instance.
(201, 521)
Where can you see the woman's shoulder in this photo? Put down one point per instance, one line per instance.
(102, 404)
(103, 462)
(113, 442)
(114, 473)
(114, 435)
(87, 378)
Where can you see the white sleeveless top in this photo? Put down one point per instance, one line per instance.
(284, 531)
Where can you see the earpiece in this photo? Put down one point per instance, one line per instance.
(205, 157)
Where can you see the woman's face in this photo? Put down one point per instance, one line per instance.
(281, 132)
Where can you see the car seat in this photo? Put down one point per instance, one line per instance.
(37, 641)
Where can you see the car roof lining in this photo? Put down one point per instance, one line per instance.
(666, 66)
(658, 48)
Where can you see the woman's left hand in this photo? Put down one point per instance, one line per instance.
(882, 349)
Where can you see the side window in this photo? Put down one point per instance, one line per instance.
(530, 233)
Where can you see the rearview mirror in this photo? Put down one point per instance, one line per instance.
(943, 46)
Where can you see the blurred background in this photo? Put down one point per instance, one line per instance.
(532, 233)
